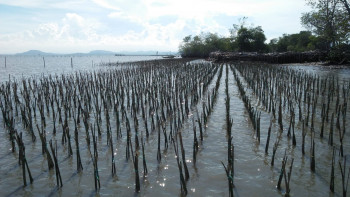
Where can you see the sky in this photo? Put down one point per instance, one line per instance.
(69, 26)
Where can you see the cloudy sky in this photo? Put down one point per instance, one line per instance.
(65, 26)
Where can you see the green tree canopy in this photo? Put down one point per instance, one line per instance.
(302, 41)
(248, 39)
(330, 20)
(201, 45)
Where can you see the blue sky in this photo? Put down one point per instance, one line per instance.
(65, 26)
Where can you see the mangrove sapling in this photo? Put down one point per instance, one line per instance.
(42, 134)
(108, 126)
(337, 124)
(200, 127)
(57, 169)
(344, 179)
(136, 168)
(159, 155)
(137, 144)
(31, 126)
(230, 150)
(25, 164)
(268, 138)
(153, 127)
(290, 124)
(341, 137)
(232, 160)
(312, 152)
(258, 125)
(331, 184)
(54, 117)
(22, 159)
(230, 156)
(128, 139)
(99, 130)
(146, 128)
(13, 139)
(328, 106)
(179, 165)
(304, 132)
(79, 164)
(322, 124)
(280, 114)
(195, 144)
(287, 178)
(330, 138)
(308, 109)
(187, 175)
(230, 180)
(95, 164)
(145, 171)
(119, 130)
(293, 123)
(274, 109)
(344, 117)
(165, 137)
(284, 162)
(42, 138)
(230, 147)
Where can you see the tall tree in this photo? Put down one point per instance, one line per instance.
(201, 45)
(248, 39)
(329, 20)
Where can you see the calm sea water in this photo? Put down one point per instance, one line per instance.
(253, 174)
(33, 66)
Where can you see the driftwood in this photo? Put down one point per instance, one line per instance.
(278, 58)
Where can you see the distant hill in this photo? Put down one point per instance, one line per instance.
(41, 53)
(34, 52)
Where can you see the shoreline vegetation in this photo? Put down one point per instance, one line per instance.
(302, 47)
(326, 39)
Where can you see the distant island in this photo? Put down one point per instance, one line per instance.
(101, 52)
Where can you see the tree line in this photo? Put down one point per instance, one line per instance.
(327, 24)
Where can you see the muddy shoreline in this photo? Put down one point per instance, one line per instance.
(305, 58)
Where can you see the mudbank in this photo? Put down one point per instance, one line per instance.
(277, 58)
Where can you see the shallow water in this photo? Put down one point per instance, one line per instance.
(33, 66)
(254, 176)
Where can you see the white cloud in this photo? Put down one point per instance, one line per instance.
(72, 30)
(128, 17)
(48, 4)
(106, 4)
(72, 27)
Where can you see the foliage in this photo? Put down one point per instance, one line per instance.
(340, 54)
(302, 41)
(248, 39)
(329, 19)
(329, 30)
(202, 45)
